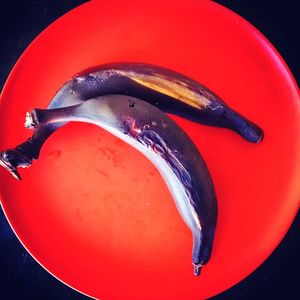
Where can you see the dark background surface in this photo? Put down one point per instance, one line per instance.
(21, 277)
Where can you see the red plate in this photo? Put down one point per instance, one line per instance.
(94, 212)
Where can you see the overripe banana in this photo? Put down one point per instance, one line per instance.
(165, 144)
(168, 90)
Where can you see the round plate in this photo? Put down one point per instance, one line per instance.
(96, 213)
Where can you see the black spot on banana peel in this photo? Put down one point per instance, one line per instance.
(168, 90)
(165, 144)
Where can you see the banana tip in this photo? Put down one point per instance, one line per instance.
(253, 134)
(6, 165)
(30, 120)
(260, 138)
(197, 269)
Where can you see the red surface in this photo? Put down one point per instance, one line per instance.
(95, 212)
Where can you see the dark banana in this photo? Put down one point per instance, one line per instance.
(162, 141)
(168, 90)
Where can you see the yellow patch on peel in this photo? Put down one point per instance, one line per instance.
(173, 88)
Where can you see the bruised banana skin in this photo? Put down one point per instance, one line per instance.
(165, 144)
(168, 90)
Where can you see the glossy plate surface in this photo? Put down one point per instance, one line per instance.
(94, 211)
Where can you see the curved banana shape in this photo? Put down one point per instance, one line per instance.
(165, 144)
(168, 90)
